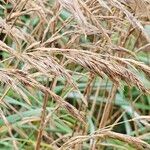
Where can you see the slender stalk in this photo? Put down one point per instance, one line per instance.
(43, 116)
(108, 107)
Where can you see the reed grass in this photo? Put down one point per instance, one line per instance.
(74, 74)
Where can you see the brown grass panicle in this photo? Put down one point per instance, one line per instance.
(70, 71)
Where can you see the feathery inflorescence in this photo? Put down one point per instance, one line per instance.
(75, 73)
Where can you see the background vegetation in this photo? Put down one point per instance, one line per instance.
(74, 74)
